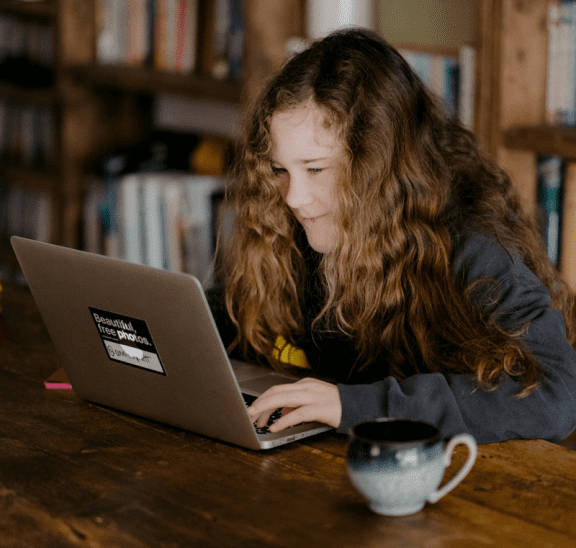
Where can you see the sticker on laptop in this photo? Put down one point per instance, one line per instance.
(127, 340)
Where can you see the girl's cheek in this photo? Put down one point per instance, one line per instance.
(284, 189)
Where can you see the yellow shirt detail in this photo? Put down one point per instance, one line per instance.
(286, 353)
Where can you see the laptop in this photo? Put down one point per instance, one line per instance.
(144, 341)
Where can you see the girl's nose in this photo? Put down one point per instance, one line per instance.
(296, 193)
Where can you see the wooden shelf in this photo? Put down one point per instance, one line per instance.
(48, 97)
(150, 81)
(28, 178)
(45, 10)
(554, 140)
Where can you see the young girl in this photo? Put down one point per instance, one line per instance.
(377, 247)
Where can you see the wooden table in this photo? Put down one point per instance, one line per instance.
(73, 474)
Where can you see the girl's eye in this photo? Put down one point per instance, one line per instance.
(278, 170)
(315, 170)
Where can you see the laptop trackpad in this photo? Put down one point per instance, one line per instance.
(259, 385)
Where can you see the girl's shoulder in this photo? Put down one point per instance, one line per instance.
(477, 254)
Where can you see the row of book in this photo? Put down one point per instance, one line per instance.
(28, 135)
(450, 78)
(561, 76)
(25, 212)
(556, 200)
(168, 35)
(161, 219)
(26, 51)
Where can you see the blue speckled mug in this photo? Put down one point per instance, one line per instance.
(398, 464)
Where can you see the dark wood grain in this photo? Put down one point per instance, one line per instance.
(78, 474)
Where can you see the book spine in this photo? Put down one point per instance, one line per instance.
(109, 31)
(467, 84)
(129, 218)
(137, 32)
(160, 33)
(171, 34)
(552, 91)
(568, 239)
(150, 31)
(550, 175)
(186, 36)
(565, 85)
(152, 227)
(236, 39)
(172, 193)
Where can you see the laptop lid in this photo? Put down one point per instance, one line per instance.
(144, 341)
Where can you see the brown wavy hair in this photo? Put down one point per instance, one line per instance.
(412, 178)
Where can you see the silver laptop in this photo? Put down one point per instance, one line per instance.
(144, 341)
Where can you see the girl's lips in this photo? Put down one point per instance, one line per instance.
(311, 219)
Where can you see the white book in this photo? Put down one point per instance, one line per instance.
(467, 86)
(129, 218)
(552, 84)
(152, 221)
(111, 30)
(173, 225)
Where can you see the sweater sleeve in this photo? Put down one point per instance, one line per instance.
(454, 403)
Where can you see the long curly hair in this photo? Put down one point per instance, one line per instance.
(411, 180)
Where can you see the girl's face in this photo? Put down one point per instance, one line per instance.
(305, 156)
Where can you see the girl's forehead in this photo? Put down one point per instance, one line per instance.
(303, 121)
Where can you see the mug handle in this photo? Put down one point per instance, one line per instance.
(468, 440)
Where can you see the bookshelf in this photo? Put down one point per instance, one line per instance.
(511, 106)
(98, 107)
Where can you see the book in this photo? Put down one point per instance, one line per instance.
(568, 240)
(550, 173)
(129, 189)
(467, 85)
(561, 70)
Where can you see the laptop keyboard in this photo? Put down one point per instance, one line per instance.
(273, 417)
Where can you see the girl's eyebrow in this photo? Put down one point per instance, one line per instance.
(307, 161)
(313, 160)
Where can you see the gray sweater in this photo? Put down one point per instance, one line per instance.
(453, 402)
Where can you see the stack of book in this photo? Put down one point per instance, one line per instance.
(160, 219)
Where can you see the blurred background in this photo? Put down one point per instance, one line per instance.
(119, 118)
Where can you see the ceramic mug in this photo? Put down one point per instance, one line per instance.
(398, 464)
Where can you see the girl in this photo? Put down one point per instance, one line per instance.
(377, 247)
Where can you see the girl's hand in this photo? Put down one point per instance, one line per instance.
(304, 401)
